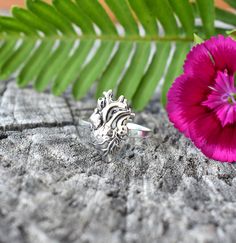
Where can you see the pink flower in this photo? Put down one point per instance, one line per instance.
(202, 101)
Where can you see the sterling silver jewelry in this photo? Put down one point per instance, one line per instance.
(110, 124)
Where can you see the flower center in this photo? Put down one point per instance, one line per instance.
(230, 98)
(222, 98)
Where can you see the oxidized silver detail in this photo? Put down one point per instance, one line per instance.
(109, 122)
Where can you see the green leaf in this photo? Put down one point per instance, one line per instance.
(12, 63)
(49, 14)
(98, 15)
(72, 68)
(132, 77)
(35, 63)
(225, 16)
(166, 17)
(232, 3)
(8, 23)
(121, 10)
(114, 70)
(184, 11)
(56, 62)
(28, 19)
(6, 50)
(152, 77)
(75, 15)
(207, 13)
(145, 16)
(197, 39)
(232, 33)
(174, 69)
(92, 70)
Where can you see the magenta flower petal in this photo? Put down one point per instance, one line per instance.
(199, 57)
(223, 51)
(214, 141)
(202, 101)
(181, 103)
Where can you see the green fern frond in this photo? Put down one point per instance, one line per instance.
(74, 43)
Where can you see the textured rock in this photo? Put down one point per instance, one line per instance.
(54, 188)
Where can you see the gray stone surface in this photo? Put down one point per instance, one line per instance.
(54, 188)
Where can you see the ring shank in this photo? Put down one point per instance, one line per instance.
(136, 130)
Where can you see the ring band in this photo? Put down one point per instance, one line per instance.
(111, 124)
(138, 131)
(135, 130)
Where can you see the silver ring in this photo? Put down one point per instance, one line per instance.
(111, 124)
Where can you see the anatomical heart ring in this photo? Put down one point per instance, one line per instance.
(111, 124)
